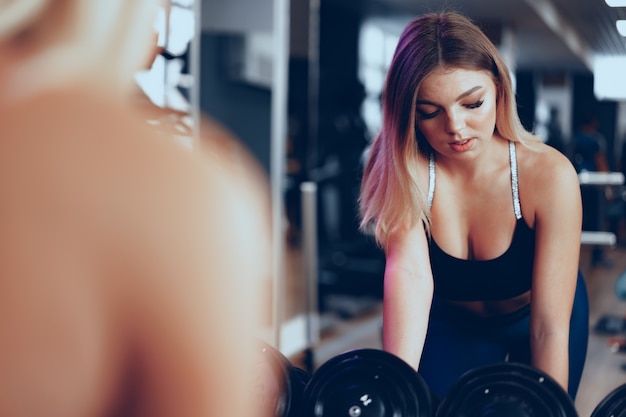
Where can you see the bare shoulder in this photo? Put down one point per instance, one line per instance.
(151, 249)
(223, 151)
(543, 163)
(203, 268)
(545, 174)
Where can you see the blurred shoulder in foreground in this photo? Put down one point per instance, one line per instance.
(131, 264)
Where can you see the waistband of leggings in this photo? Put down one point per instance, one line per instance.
(446, 311)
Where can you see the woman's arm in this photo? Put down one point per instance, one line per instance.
(408, 291)
(558, 220)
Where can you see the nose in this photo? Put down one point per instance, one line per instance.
(455, 122)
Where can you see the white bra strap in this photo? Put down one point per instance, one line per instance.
(514, 181)
(431, 179)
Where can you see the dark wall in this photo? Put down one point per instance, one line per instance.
(526, 95)
(243, 108)
(341, 131)
(338, 69)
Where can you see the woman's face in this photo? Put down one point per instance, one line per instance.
(456, 110)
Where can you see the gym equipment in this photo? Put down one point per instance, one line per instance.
(366, 383)
(617, 344)
(601, 178)
(614, 405)
(593, 199)
(620, 286)
(598, 238)
(279, 385)
(610, 324)
(506, 389)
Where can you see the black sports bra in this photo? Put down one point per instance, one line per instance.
(506, 276)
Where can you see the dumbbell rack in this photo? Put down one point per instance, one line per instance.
(599, 179)
(612, 326)
(375, 383)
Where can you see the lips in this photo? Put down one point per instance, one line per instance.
(462, 141)
(462, 145)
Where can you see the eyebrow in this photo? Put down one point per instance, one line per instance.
(460, 97)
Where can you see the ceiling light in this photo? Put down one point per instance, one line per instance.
(621, 27)
(616, 3)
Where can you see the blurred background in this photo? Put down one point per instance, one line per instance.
(299, 82)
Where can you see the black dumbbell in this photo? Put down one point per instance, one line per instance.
(614, 405)
(506, 389)
(280, 384)
(366, 383)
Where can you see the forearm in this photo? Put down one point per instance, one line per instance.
(550, 354)
(408, 292)
(405, 318)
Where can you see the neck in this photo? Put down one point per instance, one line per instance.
(486, 163)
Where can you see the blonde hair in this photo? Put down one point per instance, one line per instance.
(391, 197)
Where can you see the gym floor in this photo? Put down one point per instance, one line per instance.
(603, 370)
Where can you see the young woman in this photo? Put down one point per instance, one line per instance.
(480, 221)
(131, 265)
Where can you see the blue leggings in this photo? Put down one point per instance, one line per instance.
(457, 342)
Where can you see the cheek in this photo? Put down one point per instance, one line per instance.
(485, 117)
(428, 128)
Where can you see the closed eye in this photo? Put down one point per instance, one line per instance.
(426, 116)
(475, 105)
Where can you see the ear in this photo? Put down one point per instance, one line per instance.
(16, 14)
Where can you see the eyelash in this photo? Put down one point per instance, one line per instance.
(427, 116)
(471, 106)
(475, 105)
